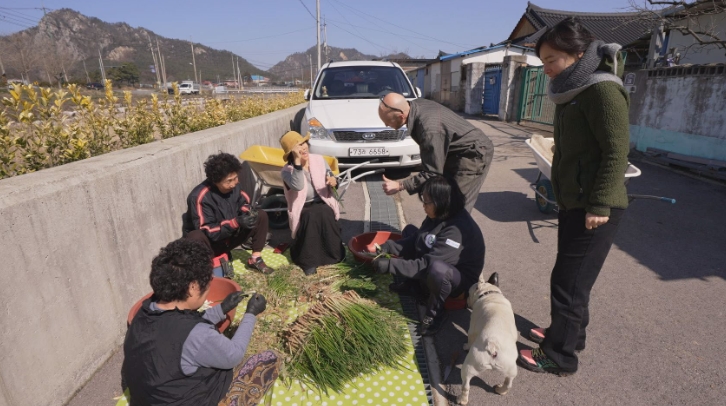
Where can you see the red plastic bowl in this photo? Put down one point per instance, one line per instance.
(363, 241)
(218, 290)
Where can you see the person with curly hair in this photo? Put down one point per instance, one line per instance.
(173, 354)
(219, 215)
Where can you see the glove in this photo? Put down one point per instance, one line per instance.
(381, 265)
(257, 304)
(231, 301)
(248, 219)
(381, 250)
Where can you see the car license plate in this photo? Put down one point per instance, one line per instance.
(368, 151)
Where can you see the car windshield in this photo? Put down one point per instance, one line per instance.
(361, 82)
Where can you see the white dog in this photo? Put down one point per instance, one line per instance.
(492, 342)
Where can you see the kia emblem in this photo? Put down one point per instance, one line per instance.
(369, 136)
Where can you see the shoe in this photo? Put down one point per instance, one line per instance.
(259, 265)
(537, 335)
(431, 326)
(536, 360)
(311, 271)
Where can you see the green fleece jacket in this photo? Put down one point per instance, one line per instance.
(592, 141)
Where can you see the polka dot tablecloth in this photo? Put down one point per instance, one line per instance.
(402, 386)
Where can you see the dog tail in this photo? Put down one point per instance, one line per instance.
(492, 348)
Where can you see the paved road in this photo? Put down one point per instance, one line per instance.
(657, 311)
(657, 330)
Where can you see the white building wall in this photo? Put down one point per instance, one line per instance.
(497, 56)
(700, 54)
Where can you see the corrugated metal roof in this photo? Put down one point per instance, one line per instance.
(480, 49)
(622, 28)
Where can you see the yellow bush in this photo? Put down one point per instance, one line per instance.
(42, 128)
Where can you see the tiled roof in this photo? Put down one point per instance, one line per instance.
(622, 28)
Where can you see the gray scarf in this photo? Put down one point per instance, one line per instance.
(583, 73)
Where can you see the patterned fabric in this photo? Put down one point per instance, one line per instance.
(542, 360)
(252, 380)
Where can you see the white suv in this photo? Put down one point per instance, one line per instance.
(342, 114)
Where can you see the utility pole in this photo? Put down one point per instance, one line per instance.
(325, 40)
(310, 61)
(88, 78)
(234, 71)
(317, 20)
(194, 63)
(103, 70)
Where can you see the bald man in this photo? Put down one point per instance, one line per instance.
(450, 145)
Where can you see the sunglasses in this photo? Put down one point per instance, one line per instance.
(392, 108)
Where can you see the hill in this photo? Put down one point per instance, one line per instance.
(66, 40)
(297, 65)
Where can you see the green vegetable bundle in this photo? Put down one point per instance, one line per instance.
(342, 337)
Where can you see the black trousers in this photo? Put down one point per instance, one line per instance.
(258, 235)
(580, 256)
(439, 281)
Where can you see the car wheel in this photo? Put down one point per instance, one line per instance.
(278, 219)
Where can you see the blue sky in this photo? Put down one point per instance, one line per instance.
(265, 32)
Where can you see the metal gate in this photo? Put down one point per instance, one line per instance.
(492, 89)
(533, 103)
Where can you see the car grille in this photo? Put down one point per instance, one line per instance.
(369, 136)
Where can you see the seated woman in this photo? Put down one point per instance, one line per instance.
(442, 258)
(311, 207)
(173, 354)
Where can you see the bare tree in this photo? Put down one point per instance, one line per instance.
(22, 55)
(703, 21)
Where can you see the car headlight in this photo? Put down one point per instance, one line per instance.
(317, 131)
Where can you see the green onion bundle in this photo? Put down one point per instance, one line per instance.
(342, 337)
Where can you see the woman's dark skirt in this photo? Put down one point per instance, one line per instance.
(317, 241)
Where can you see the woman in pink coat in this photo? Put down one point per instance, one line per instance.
(312, 209)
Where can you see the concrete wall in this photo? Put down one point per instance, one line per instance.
(695, 54)
(509, 92)
(680, 110)
(474, 87)
(76, 250)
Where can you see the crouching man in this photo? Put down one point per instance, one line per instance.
(173, 354)
(220, 216)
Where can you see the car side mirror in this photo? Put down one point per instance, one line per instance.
(418, 92)
(306, 96)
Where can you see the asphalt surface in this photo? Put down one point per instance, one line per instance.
(657, 310)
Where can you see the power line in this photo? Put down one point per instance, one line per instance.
(364, 39)
(254, 39)
(10, 20)
(19, 15)
(309, 12)
(392, 33)
(398, 26)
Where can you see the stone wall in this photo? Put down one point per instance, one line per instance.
(76, 249)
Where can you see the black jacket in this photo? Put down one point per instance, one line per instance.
(152, 362)
(213, 212)
(448, 143)
(444, 241)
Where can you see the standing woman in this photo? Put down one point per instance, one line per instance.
(312, 209)
(591, 156)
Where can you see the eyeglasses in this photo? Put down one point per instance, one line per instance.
(392, 108)
(425, 203)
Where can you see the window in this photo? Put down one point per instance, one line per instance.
(361, 82)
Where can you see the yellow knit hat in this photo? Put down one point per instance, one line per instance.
(289, 140)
